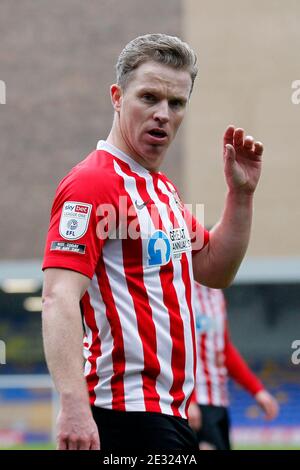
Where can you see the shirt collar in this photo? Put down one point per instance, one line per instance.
(134, 166)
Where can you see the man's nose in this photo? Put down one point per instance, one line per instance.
(162, 112)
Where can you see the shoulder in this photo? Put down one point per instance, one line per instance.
(94, 177)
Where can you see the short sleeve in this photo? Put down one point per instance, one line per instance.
(73, 240)
(198, 234)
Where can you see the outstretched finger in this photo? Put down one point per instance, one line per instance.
(248, 142)
(238, 138)
(228, 136)
(229, 154)
(258, 149)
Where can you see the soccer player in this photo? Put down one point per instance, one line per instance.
(218, 359)
(123, 251)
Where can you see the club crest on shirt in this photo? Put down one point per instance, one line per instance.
(177, 199)
(74, 220)
(175, 195)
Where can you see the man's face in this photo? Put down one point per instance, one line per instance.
(150, 111)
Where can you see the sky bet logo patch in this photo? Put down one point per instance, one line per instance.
(74, 220)
(81, 209)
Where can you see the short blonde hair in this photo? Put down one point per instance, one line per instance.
(161, 48)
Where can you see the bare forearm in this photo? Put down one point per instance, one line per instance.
(228, 243)
(230, 239)
(62, 334)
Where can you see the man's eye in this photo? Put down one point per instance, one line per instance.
(176, 104)
(149, 98)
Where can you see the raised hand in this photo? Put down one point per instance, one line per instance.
(242, 161)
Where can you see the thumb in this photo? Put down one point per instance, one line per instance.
(229, 153)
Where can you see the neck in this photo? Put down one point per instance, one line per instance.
(115, 137)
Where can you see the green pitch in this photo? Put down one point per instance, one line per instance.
(51, 446)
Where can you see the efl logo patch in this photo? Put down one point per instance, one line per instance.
(74, 220)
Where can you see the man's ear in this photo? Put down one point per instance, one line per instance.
(116, 96)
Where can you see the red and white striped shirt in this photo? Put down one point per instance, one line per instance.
(218, 358)
(211, 376)
(140, 344)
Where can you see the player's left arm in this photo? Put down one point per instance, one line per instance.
(217, 264)
(239, 371)
(268, 404)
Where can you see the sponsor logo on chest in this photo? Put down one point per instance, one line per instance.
(162, 247)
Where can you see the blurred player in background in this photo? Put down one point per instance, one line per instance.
(123, 250)
(218, 359)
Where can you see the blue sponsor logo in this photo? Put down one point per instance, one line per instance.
(159, 249)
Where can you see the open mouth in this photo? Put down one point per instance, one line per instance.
(158, 133)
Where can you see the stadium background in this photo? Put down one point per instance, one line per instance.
(57, 61)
